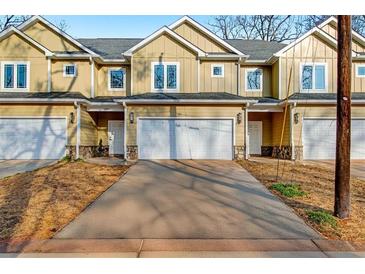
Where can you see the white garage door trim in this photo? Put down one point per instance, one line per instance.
(333, 152)
(43, 117)
(232, 119)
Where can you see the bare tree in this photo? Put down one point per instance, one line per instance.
(62, 25)
(12, 20)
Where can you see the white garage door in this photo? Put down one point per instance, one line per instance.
(319, 139)
(32, 138)
(185, 138)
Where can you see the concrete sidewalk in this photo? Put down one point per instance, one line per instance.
(182, 248)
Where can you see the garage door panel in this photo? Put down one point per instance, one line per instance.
(185, 138)
(32, 138)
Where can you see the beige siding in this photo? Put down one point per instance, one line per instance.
(275, 79)
(277, 126)
(88, 126)
(49, 38)
(228, 83)
(15, 48)
(357, 83)
(266, 82)
(101, 80)
(80, 83)
(198, 38)
(41, 111)
(319, 112)
(266, 119)
(164, 48)
(183, 111)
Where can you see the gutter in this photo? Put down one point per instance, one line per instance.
(183, 101)
(323, 102)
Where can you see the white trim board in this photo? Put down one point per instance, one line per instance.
(124, 78)
(165, 89)
(15, 80)
(261, 79)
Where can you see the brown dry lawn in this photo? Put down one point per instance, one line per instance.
(37, 204)
(318, 182)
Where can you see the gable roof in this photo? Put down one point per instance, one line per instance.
(36, 18)
(7, 32)
(207, 32)
(159, 32)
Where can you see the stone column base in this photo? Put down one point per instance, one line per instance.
(282, 153)
(87, 151)
(299, 153)
(132, 152)
(239, 152)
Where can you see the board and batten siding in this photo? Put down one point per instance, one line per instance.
(42, 110)
(102, 78)
(183, 111)
(198, 38)
(164, 49)
(228, 83)
(266, 82)
(88, 126)
(277, 125)
(16, 48)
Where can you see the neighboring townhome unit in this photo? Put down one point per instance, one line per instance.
(180, 93)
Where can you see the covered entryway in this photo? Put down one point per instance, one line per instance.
(185, 138)
(319, 138)
(33, 138)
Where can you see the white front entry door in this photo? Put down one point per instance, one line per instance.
(185, 138)
(116, 137)
(254, 137)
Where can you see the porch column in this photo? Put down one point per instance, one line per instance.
(246, 131)
(125, 113)
(292, 143)
(78, 130)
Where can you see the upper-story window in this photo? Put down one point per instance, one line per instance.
(313, 77)
(165, 76)
(253, 79)
(69, 70)
(360, 70)
(116, 79)
(217, 70)
(15, 76)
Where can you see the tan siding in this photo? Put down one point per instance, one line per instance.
(15, 48)
(101, 81)
(183, 111)
(357, 83)
(277, 125)
(43, 110)
(266, 125)
(266, 81)
(198, 38)
(49, 38)
(228, 83)
(275, 79)
(80, 83)
(89, 133)
(165, 49)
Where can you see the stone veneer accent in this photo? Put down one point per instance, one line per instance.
(266, 151)
(87, 151)
(132, 152)
(239, 152)
(282, 153)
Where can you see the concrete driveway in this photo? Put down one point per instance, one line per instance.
(12, 167)
(187, 199)
(357, 166)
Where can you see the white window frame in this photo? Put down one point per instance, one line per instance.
(124, 79)
(313, 90)
(15, 63)
(69, 75)
(165, 89)
(247, 70)
(357, 70)
(212, 70)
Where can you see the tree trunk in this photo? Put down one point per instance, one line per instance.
(343, 138)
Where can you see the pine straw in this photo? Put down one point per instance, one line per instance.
(318, 182)
(37, 204)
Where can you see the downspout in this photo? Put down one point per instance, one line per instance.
(238, 75)
(125, 131)
(92, 76)
(246, 132)
(292, 143)
(78, 129)
(198, 74)
(49, 76)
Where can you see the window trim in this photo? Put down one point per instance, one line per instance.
(165, 89)
(69, 75)
(247, 70)
(15, 88)
(124, 79)
(212, 70)
(313, 90)
(357, 70)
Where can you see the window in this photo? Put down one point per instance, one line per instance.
(254, 79)
(313, 77)
(69, 70)
(116, 81)
(360, 70)
(15, 76)
(165, 76)
(217, 71)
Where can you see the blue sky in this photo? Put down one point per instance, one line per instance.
(86, 26)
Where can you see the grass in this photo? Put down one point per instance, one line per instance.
(315, 207)
(37, 204)
(288, 190)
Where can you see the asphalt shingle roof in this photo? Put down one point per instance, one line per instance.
(43, 95)
(324, 96)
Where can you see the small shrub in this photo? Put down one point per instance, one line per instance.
(321, 217)
(67, 158)
(288, 190)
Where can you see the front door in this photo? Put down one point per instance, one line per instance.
(255, 137)
(116, 137)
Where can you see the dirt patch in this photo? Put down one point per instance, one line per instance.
(37, 204)
(318, 183)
